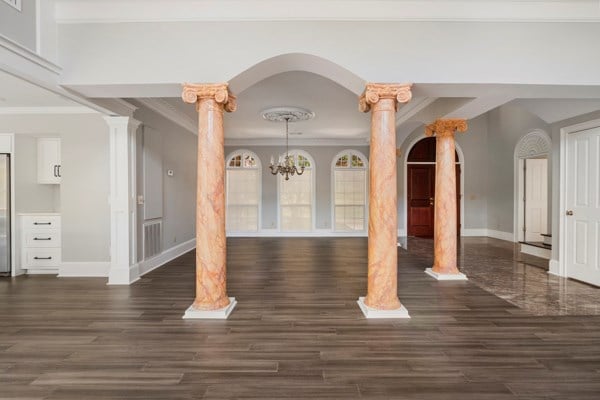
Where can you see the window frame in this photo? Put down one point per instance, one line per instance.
(365, 160)
(258, 167)
(313, 205)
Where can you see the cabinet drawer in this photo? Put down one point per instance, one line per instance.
(42, 258)
(41, 222)
(48, 238)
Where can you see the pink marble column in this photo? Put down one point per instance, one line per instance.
(382, 101)
(211, 275)
(445, 225)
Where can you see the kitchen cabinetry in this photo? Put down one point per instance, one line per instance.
(48, 161)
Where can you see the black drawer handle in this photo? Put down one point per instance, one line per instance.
(42, 258)
(42, 223)
(42, 238)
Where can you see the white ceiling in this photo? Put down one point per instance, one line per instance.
(554, 110)
(335, 108)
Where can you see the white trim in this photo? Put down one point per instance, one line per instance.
(474, 232)
(554, 268)
(365, 168)
(561, 266)
(96, 11)
(15, 268)
(171, 113)
(38, 26)
(508, 236)
(42, 271)
(16, 4)
(363, 142)
(446, 277)
(535, 251)
(221, 313)
(313, 207)
(166, 256)
(275, 232)
(29, 55)
(408, 110)
(260, 179)
(461, 162)
(373, 313)
(83, 269)
(524, 150)
(46, 110)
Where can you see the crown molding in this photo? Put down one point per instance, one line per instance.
(29, 55)
(115, 106)
(171, 113)
(297, 142)
(97, 11)
(46, 110)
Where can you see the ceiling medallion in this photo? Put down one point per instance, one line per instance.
(291, 114)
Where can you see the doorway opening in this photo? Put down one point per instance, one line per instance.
(532, 194)
(420, 188)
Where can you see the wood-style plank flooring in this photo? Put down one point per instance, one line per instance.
(296, 333)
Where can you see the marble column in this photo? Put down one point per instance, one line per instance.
(445, 239)
(211, 275)
(382, 292)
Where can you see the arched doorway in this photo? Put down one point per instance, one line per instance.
(420, 188)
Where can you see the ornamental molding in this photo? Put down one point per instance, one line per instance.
(535, 143)
(446, 127)
(377, 91)
(193, 93)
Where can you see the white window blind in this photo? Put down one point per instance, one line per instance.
(243, 192)
(350, 196)
(296, 197)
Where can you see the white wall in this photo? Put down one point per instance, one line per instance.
(29, 195)
(20, 26)
(84, 189)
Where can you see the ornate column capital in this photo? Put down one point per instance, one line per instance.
(446, 127)
(374, 92)
(193, 93)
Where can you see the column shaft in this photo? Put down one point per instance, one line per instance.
(445, 253)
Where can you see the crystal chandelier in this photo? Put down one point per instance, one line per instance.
(285, 164)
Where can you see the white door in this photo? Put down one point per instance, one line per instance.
(583, 206)
(536, 199)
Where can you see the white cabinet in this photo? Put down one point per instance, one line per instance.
(48, 162)
(40, 243)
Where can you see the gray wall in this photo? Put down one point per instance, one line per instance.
(84, 189)
(323, 157)
(29, 195)
(19, 26)
(176, 151)
(506, 126)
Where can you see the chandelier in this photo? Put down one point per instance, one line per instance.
(285, 164)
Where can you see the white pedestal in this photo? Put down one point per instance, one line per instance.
(446, 277)
(221, 313)
(369, 312)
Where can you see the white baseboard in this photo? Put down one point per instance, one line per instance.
(474, 232)
(315, 233)
(508, 236)
(536, 251)
(42, 271)
(554, 268)
(166, 256)
(401, 232)
(84, 269)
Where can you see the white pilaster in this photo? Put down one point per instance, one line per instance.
(124, 269)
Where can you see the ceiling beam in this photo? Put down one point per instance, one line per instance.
(479, 106)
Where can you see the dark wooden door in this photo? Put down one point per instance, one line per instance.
(421, 195)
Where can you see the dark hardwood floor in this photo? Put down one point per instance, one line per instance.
(296, 333)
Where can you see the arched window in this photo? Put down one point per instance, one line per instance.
(242, 191)
(296, 195)
(349, 171)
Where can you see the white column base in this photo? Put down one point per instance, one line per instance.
(446, 277)
(125, 275)
(221, 313)
(369, 312)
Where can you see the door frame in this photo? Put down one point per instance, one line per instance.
(534, 144)
(560, 268)
(461, 162)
